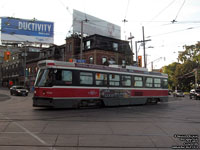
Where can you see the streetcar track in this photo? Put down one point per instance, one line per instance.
(106, 121)
(114, 147)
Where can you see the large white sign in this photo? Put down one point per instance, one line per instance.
(20, 30)
(93, 25)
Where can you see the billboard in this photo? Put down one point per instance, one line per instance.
(20, 30)
(94, 25)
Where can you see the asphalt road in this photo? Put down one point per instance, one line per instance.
(175, 124)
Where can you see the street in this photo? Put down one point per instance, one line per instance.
(171, 125)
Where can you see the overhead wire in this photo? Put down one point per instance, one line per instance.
(175, 20)
(126, 9)
(190, 28)
(125, 20)
(162, 10)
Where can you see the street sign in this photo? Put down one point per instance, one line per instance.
(81, 61)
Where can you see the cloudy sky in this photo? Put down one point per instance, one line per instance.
(157, 16)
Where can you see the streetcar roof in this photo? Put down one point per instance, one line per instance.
(128, 69)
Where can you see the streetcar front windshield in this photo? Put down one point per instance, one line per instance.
(42, 79)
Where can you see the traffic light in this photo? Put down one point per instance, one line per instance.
(139, 61)
(7, 55)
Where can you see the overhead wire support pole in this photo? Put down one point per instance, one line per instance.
(136, 53)
(130, 38)
(145, 65)
(81, 45)
(143, 41)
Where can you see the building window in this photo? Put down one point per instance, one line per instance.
(69, 47)
(104, 59)
(115, 46)
(91, 60)
(123, 62)
(112, 61)
(88, 45)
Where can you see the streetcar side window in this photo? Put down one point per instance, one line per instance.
(86, 78)
(149, 82)
(62, 77)
(67, 76)
(114, 80)
(101, 79)
(165, 83)
(157, 82)
(41, 77)
(137, 81)
(126, 80)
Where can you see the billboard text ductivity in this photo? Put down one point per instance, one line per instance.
(19, 30)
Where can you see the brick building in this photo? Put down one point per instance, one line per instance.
(97, 49)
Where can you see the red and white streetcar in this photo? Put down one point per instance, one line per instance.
(71, 85)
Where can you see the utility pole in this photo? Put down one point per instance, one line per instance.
(130, 38)
(25, 54)
(81, 46)
(136, 53)
(145, 65)
(196, 78)
(152, 66)
(143, 41)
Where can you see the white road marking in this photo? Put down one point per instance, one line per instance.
(29, 132)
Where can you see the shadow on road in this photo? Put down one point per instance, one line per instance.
(4, 97)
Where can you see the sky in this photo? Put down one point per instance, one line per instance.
(156, 16)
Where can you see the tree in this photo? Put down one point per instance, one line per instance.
(170, 70)
(181, 75)
(191, 53)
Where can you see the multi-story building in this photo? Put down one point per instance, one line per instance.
(98, 49)
(14, 69)
(22, 67)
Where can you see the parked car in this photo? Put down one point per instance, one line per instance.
(195, 93)
(18, 90)
(170, 92)
(178, 93)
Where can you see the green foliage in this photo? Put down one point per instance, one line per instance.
(170, 70)
(181, 75)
